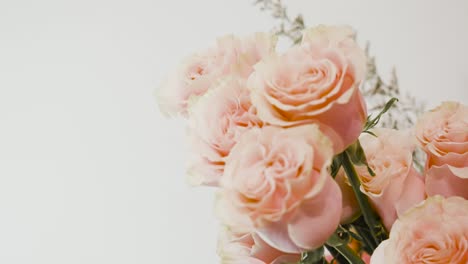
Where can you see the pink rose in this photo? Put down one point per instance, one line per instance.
(443, 134)
(216, 123)
(249, 248)
(198, 72)
(396, 186)
(315, 82)
(435, 231)
(277, 181)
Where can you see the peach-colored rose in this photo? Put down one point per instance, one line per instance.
(443, 134)
(435, 232)
(396, 186)
(315, 82)
(249, 248)
(216, 123)
(277, 181)
(198, 72)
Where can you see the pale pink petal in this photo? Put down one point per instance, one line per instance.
(378, 257)
(276, 234)
(317, 218)
(441, 180)
(412, 193)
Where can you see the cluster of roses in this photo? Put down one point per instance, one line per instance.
(280, 135)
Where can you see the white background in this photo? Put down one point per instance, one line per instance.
(91, 172)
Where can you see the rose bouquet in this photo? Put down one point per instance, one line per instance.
(303, 173)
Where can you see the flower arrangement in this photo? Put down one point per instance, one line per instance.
(302, 172)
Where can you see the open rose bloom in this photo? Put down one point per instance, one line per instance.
(198, 72)
(279, 136)
(396, 185)
(315, 82)
(435, 232)
(443, 134)
(277, 179)
(216, 123)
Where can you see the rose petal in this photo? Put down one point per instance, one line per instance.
(378, 257)
(317, 218)
(441, 180)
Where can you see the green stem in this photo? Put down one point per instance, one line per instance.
(376, 228)
(369, 243)
(342, 247)
(313, 257)
(337, 257)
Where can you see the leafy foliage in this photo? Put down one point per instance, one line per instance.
(313, 257)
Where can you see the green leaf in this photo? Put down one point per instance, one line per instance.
(358, 157)
(340, 238)
(335, 166)
(370, 133)
(372, 122)
(340, 244)
(371, 219)
(313, 257)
